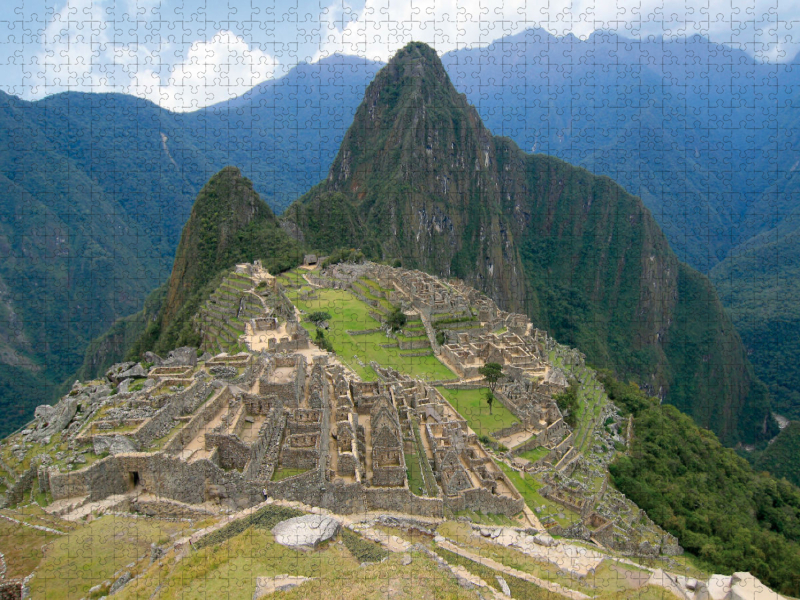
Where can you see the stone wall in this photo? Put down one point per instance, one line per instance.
(540, 439)
(289, 344)
(389, 476)
(301, 488)
(299, 458)
(232, 452)
(158, 426)
(16, 493)
(513, 430)
(465, 386)
(197, 422)
(160, 474)
(166, 510)
(413, 344)
(259, 449)
(365, 331)
(98, 481)
(402, 500)
(352, 498)
(346, 463)
(480, 499)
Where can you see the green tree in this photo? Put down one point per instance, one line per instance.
(396, 319)
(567, 402)
(492, 372)
(318, 317)
(323, 342)
(489, 399)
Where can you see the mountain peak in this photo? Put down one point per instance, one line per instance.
(411, 118)
(229, 223)
(419, 179)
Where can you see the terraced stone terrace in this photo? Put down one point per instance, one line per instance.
(370, 426)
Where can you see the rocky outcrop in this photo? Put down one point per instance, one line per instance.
(52, 419)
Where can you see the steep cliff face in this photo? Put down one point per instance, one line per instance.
(229, 224)
(420, 179)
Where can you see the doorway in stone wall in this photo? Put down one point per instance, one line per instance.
(133, 480)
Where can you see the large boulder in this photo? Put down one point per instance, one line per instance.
(745, 586)
(556, 376)
(181, 357)
(154, 358)
(45, 413)
(719, 587)
(115, 373)
(306, 532)
(120, 583)
(52, 419)
(135, 372)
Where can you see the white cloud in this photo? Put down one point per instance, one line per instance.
(213, 71)
(185, 54)
(87, 47)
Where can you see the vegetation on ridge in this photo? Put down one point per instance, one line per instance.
(229, 224)
(729, 516)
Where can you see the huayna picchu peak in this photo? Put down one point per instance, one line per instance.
(419, 179)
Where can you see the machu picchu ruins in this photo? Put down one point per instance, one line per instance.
(309, 394)
(260, 410)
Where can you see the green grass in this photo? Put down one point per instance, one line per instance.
(413, 338)
(93, 553)
(487, 518)
(428, 478)
(375, 285)
(416, 483)
(266, 518)
(23, 547)
(461, 535)
(348, 313)
(471, 404)
(534, 454)
(361, 549)
(520, 589)
(229, 569)
(528, 487)
(280, 474)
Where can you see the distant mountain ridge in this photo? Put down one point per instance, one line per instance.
(421, 180)
(679, 122)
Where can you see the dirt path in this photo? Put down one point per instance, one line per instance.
(500, 568)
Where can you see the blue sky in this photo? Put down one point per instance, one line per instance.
(184, 54)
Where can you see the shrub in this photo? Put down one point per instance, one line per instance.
(266, 518)
(363, 550)
(341, 255)
(318, 317)
(396, 319)
(567, 402)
